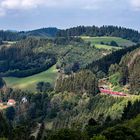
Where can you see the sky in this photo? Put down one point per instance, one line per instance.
(33, 14)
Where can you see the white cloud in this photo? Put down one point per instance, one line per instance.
(20, 4)
(83, 4)
(135, 4)
(6, 5)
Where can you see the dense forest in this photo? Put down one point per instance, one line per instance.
(15, 36)
(102, 65)
(33, 55)
(128, 71)
(101, 31)
(10, 36)
(81, 82)
(71, 108)
(43, 32)
(85, 117)
(20, 60)
(75, 31)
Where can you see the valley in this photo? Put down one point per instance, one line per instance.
(82, 80)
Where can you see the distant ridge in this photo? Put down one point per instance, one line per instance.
(93, 31)
(43, 32)
(15, 36)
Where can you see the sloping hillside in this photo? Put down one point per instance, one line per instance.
(15, 35)
(107, 40)
(128, 71)
(94, 31)
(43, 32)
(29, 83)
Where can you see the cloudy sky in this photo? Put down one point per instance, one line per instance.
(32, 14)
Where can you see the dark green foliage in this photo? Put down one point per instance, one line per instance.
(104, 63)
(68, 40)
(1, 41)
(100, 137)
(10, 113)
(125, 130)
(120, 133)
(4, 127)
(81, 82)
(67, 134)
(55, 109)
(113, 69)
(134, 75)
(128, 69)
(92, 122)
(34, 55)
(15, 36)
(124, 75)
(10, 36)
(131, 110)
(21, 132)
(38, 105)
(113, 43)
(75, 67)
(101, 31)
(2, 83)
(44, 87)
(20, 60)
(43, 32)
(93, 130)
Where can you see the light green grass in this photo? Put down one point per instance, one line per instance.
(107, 47)
(9, 42)
(29, 83)
(107, 39)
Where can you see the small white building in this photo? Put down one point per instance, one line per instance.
(24, 100)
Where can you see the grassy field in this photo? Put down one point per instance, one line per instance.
(97, 40)
(107, 47)
(29, 83)
(7, 44)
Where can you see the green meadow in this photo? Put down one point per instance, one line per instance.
(29, 83)
(106, 40)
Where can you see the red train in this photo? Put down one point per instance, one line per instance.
(112, 92)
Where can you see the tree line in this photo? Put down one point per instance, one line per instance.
(20, 60)
(81, 82)
(128, 69)
(16, 36)
(102, 65)
(94, 31)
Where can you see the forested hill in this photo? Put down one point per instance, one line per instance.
(103, 64)
(93, 31)
(10, 35)
(15, 36)
(129, 68)
(124, 74)
(113, 31)
(43, 32)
